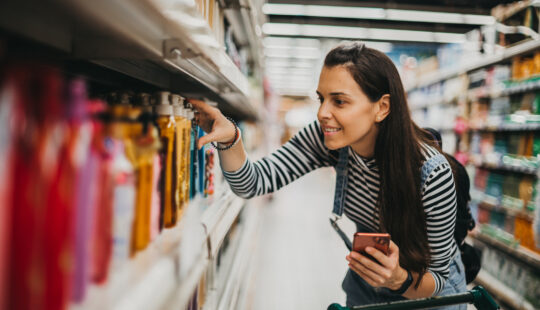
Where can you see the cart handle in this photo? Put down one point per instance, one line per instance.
(477, 296)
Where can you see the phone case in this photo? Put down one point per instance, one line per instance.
(379, 241)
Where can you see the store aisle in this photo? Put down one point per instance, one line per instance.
(300, 261)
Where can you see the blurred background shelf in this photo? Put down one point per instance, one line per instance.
(475, 64)
(523, 254)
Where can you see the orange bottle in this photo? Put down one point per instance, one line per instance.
(179, 149)
(166, 126)
(146, 146)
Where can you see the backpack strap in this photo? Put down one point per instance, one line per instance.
(429, 165)
(341, 182)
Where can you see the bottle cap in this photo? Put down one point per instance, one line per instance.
(175, 99)
(163, 109)
(125, 98)
(162, 98)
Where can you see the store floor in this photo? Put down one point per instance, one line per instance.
(299, 259)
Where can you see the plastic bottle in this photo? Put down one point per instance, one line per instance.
(188, 115)
(146, 146)
(155, 202)
(167, 127)
(123, 205)
(178, 111)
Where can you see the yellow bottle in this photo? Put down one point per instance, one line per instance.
(146, 147)
(167, 182)
(179, 151)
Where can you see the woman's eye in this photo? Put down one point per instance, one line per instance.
(321, 100)
(339, 102)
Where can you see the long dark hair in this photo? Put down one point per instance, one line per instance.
(398, 153)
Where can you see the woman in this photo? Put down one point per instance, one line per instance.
(363, 108)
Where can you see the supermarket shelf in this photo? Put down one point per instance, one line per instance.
(502, 292)
(516, 88)
(240, 14)
(216, 221)
(484, 61)
(510, 127)
(509, 211)
(503, 167)
(218, 218)
(520, 253)
(169, 269)
(147, 32)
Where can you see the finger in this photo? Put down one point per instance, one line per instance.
(371, 265)
(210, 137)
(368, 275)
(199, 105)
(379, 256)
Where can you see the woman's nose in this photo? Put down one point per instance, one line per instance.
(324, 111)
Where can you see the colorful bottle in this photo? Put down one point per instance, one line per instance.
(180, 139)
(155, 204)
(85, 189)
(146, 146)
(188, 117)
(6, 160)
(167, 127)
(123, 205)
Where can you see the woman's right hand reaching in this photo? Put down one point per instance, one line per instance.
(217, 127)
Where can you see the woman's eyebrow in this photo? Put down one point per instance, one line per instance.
(338, 94)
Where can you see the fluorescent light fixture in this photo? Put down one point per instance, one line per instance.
(278, 54)
(269, 41)
(375, 13)
(287, 63)
(291, 71)
(361, 33)
(305, 52)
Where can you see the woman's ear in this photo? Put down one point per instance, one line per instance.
(383, 107)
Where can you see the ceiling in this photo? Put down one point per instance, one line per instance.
(299, 33)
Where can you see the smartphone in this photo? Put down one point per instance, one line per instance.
(380, 241)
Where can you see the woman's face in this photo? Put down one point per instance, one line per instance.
(346, 115)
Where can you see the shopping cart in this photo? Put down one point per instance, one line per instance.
(477, 296)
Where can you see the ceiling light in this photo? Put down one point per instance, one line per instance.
(287, 63)
(277, 54)
(361, 33)
(291, 41)
(375, 13)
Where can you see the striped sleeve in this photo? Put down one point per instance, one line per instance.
(304, 153)
(439, 201)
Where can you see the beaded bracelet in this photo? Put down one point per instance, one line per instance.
(236, 137)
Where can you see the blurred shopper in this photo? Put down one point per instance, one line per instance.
(364, 115)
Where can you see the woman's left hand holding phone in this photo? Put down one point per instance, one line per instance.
(387, 273)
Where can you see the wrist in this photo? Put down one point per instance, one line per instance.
(234, 134)
(402, 277)
(405, 281)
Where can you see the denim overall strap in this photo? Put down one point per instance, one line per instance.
(341, 182)
(429, 165)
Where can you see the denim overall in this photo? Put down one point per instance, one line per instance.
(358, 291)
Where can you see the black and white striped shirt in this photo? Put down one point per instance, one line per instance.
(306, 151)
